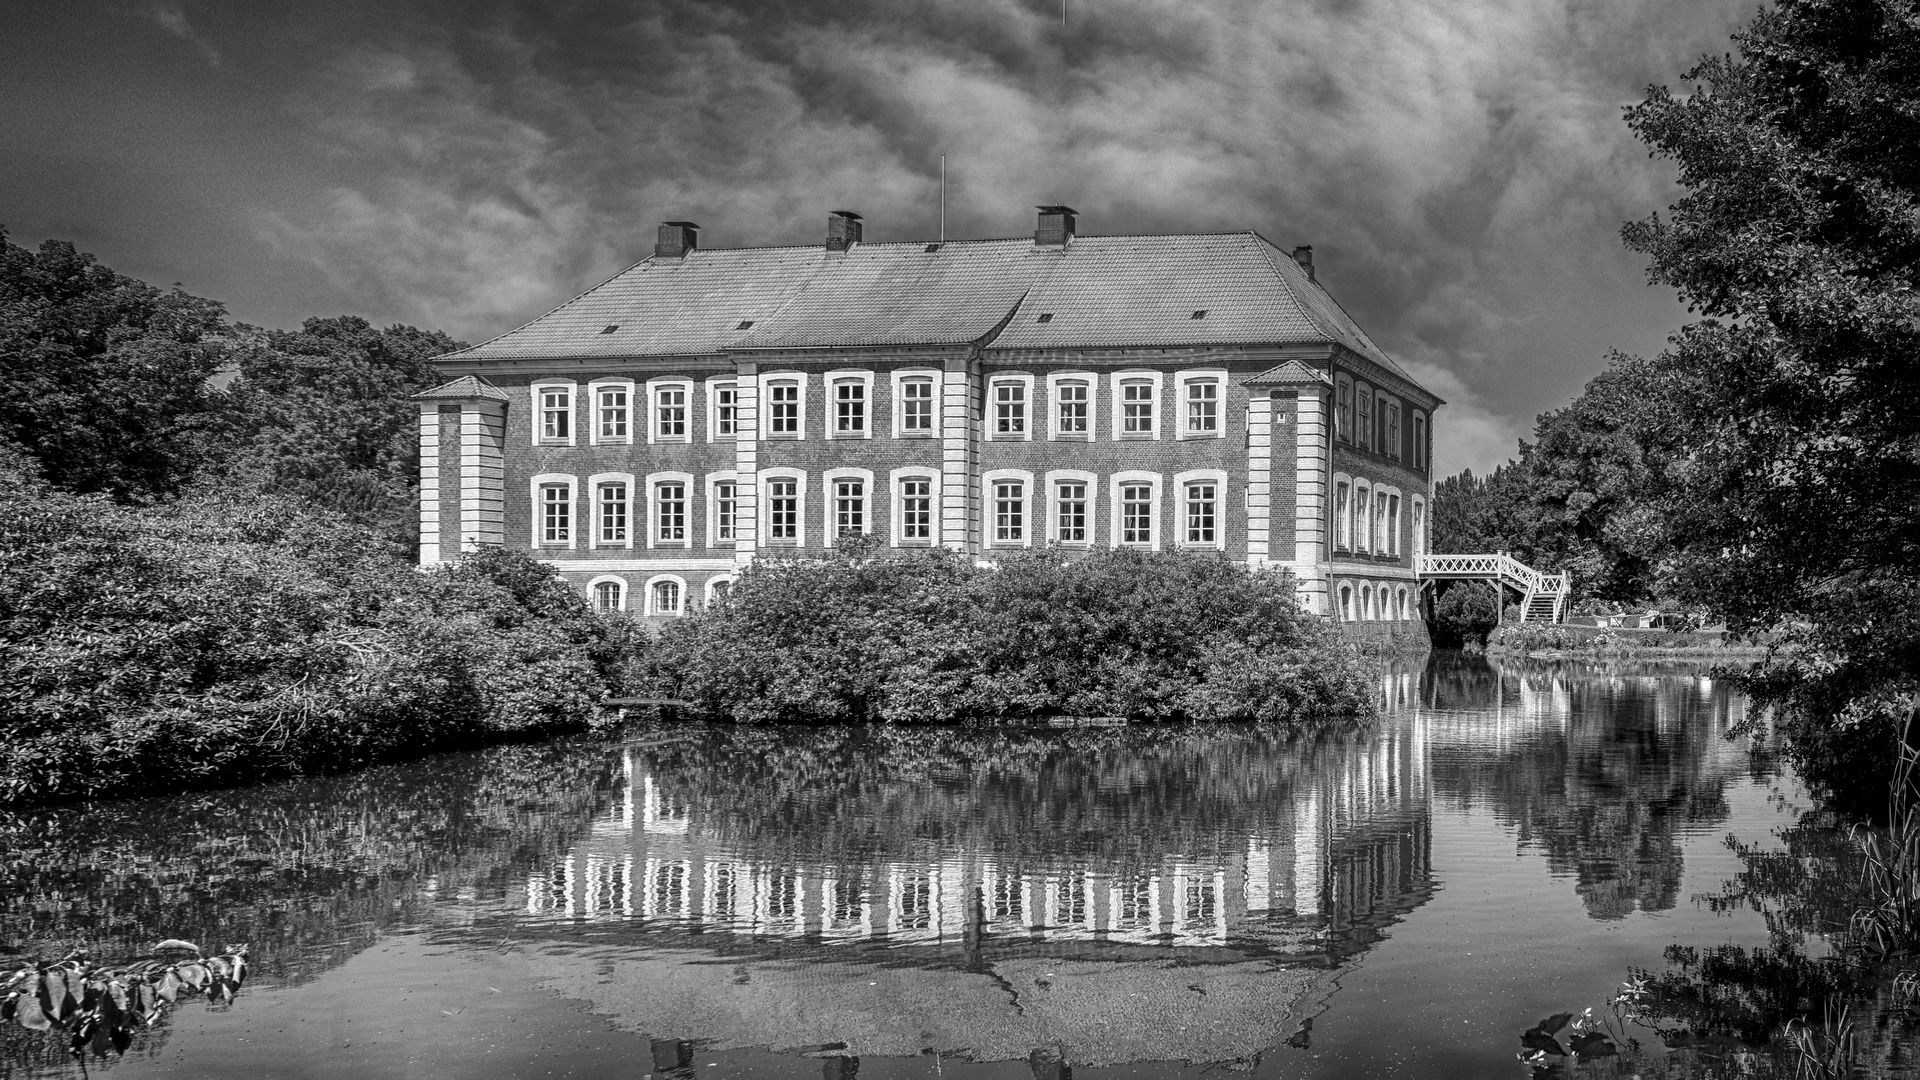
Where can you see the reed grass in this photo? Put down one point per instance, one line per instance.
(1890, 869)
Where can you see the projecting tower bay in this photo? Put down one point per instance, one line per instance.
(708, 406)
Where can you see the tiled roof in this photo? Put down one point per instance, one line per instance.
(662, 307)
(1097, 292)
(464, 388)
(902, 294)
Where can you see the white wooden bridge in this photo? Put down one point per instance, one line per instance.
(1543, 597)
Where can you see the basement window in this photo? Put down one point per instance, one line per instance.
(611, 329)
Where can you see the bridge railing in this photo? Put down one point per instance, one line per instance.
(1498, 566)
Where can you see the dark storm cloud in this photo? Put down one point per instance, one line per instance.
(1461, 168)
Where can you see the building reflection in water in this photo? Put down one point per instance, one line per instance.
(1313, 860)
(1309, 848)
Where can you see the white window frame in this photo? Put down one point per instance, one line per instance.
(1119, 379)
(538, 415)
(658, 579)
(1216, 477)
(831, 477)
(1396, 415)
(1382, 543)
(1056, 477)
(832, 380)
(1157, 523)
(654, 480)
(896, 512)
(1181, 380)
(1419, 439)
(710, 485)
(1396, 506)
(1344, 595)
(714, 386)
(593, 589)
(1342, 515)
(900, 377)
(764, 502)
(1363, 416)
(538, 517)
(767, 381)
(1343, 409)
(1091, 381)
(989, 510)
(594, 438)
(594, 543)
(713, 584)
(1362, 519)
(654, 387)
(1417, 526)
(991, 416)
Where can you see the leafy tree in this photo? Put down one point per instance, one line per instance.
(931, 638)
(1798, 241)
(1483, 513)
(207, 642)
(322, 413)
(1467, 611)
(1597, 486)
(103, 379)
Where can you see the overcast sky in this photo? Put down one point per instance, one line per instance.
(1460, 166)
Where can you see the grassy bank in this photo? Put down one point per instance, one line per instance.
(933, 638)
(1559, 642)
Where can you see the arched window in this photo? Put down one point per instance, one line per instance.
(665, 596)
(1346, 603)
(717, 591)
(609, 594)
(1366, 601)
(1342, 515)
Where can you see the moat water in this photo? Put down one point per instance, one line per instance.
(714, 902)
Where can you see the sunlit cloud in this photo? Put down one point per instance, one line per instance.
(1455, 166)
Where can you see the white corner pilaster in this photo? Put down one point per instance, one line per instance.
(1259, 476)
(1312, 460)
(746, 462)
(959, 453)
(429, 483)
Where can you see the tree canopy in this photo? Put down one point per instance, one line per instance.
(104, 380)
(1766, 465)
(1794, 396)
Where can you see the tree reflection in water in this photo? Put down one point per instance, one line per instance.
(1223, 875)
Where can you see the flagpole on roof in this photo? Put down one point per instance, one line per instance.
(943, 198)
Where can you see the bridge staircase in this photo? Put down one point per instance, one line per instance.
(1543, 597)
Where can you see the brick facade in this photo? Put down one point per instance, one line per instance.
(610, 466)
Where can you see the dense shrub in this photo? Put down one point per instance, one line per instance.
(1465, 613)
(209, 643)
(932, 638)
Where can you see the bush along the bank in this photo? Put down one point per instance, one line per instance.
(933, 638)
(207, 643)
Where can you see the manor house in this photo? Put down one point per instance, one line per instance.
(705, 407)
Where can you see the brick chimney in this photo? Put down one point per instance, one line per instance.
(676, 239)
(1304, 256)
(843, 231)
(1056, 226)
